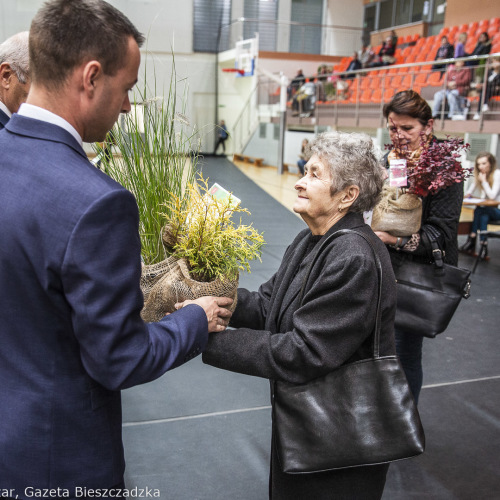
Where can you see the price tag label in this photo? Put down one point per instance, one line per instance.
(398, 176)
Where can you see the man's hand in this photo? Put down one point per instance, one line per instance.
(215, 309)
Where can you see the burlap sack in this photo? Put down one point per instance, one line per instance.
(177, 285)
(399, 214)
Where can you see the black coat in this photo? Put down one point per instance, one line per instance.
(280, 340)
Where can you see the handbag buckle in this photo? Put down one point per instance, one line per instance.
(466, 292)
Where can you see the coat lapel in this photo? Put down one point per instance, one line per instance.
(284, 281)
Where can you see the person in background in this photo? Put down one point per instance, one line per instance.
(222, 135)
(486, 184)
(445, 51)
(298, 80)
(354, 65)
(14, 75)
(483, 46)
(409, 119)
(366, 56)
(460, 46)
(492, 87)
(71, 332)
(304, 156)
(279, 337)
(457, 88)
(386, 54)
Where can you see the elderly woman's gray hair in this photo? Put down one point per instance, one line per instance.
(353, 160)
(15, 52)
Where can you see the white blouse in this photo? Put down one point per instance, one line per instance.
(487, 191)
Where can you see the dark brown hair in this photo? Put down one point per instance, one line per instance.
(410, 103)
(67, 33)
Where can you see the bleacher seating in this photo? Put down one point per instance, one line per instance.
(379, 84)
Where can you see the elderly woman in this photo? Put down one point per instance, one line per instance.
(278, 338)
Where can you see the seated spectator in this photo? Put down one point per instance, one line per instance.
(385, 55)
(483, 46)
(304, 100)
(305, 155)
(296, 83)
(457, 87)
(445, 51)
(366, 56)
(460, 46)
(323, 72)
(354, 65)
(492, 86)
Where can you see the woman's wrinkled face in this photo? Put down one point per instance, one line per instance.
(315, 202)
(407, 132)
(483, 165)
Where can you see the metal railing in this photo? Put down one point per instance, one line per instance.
(351, 103)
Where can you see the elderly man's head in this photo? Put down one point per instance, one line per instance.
(14, 71)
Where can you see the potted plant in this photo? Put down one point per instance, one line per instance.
(206, 250)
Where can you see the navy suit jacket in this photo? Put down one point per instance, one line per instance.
(71, 334)
(3, 119)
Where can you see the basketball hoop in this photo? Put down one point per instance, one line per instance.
(233, 70)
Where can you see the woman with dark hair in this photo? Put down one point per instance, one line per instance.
(483, 45)
(409, 120)
(487, 182)
(280, 337)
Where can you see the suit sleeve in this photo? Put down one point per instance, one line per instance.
(101, 273)
(336, 317)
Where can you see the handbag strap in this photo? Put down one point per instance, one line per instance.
(326, 241)
(437, 253)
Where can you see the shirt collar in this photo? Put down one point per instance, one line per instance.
(45, 115)
(5, 109)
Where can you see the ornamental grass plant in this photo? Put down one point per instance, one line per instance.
(155, 157)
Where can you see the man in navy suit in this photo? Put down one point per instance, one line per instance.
(71, 334)
(14, 75)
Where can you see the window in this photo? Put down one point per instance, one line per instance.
(261, 11)
(385, 16)
(209, 16)
(306, 39)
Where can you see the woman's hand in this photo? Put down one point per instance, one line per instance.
(215, 309)
(482, 177)
(386, 238)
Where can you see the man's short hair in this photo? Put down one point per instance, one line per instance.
(14, 51)
(67, 33)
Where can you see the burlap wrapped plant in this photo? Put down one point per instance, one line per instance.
(397, 213)
(431, 167)
(207, 250)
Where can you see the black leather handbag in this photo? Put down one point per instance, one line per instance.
(428, 293)
(362, 413)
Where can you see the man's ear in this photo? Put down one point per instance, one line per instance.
(5, 75)
(92, 73)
